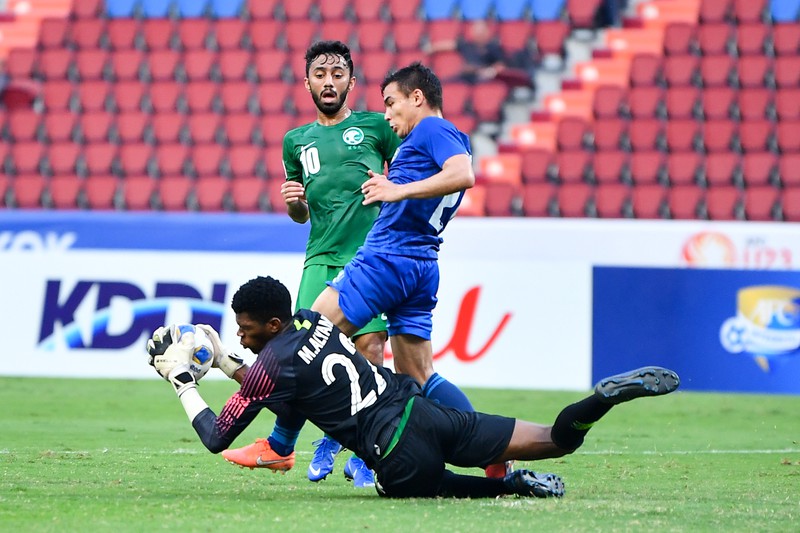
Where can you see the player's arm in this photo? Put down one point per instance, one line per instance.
(292, 190)
(456, 175)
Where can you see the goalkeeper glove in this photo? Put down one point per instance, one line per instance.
(224, 359)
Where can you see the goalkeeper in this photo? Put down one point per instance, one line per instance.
(307, 367)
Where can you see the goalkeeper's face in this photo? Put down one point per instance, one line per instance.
(254, 334)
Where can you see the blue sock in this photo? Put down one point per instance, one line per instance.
(442, 391)
(282, 440)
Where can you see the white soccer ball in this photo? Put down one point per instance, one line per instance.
(203, 355)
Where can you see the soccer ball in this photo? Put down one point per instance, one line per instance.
(203, 350)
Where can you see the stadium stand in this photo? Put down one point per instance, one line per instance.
(690, 110)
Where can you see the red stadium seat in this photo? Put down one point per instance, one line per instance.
(680, 70)
(760, 203)
(647, 200)
(59, 126)
(646, 134)
(681, 135)
(573, 199)
(611, 200)
(715, 11)
(273, 163)
(273, 97)
(269, 65)
(789, 170)
(721, 169)
(502, 168)
(790, 204)
(197, 64)
(170, 159)
(787, 104)
(753, 71)
(786, 39)
(717, 102)
(499, 199)
(173, 193)
(54, 63)
(788, 136)
(99, 158)
(122, 33)
(608, 101)
(260, 9)
(751, 38)
(162, 64)
(608, 133)
(237, 97)
(487, 100)
(715, 38)
(246, 160)
(53, 33)
(65, 191)
(127, 96)
(206, 159)
(787, 72)
(571, 133)
(264, 33)
(62, 158)
(27, 191)
(300, 32)
(247, 194)
(95, 126)
(718, 135)
(681, 102)
(202, 96)
(301, 100)
(455, 98)
(87, 33)
(94, 96)
(157, 33)
(760, 169)
(749, 11)
(59, 96)
(647, 167)
(684, 201)
(167, 127)
(100, 192)
(202, 127)
(375, 65)
(723, 203)
(130, 126)
(403, 9)
(211, 193)
(273, 193)
(581, 13)
(234, 64)
(229, 33)
(23, 125)
(756, 135)
(135, 158)
(126, 65)
(754, 104)
(193, 33)
(645, 70)
(137, 193)
(679, 38)
(537, 198)
(535, 165)
(550, 36)
(367, 10)
(715, 71)
(610, 166)
(20, 63)
(683, 168)
(572, 166)
(337, 30)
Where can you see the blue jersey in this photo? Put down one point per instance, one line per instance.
(411, 227)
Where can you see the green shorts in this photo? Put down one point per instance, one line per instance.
(313, 283)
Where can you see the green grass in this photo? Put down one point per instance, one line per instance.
(112, 455)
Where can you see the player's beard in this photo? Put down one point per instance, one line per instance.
(330, 108)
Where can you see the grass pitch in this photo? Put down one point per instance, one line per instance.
(112, 455)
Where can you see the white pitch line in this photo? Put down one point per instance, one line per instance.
(188, 451)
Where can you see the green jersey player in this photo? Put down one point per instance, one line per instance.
(326, 163)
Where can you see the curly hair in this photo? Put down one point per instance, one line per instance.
(263, 298)
(328, 48)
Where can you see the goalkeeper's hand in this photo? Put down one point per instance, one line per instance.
(224, 359)
(170, 353)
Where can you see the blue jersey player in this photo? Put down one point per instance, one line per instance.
(307, 367)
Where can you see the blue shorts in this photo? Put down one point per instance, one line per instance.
(403, 288)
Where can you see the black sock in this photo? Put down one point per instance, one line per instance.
(463, 486)
(575, 420)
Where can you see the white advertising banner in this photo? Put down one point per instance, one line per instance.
(81, 292)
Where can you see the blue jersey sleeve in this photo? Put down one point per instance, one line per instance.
(442, 140)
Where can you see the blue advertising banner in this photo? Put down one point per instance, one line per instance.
(192, 232)
(721, 330)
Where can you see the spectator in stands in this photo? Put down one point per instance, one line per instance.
(485, 59)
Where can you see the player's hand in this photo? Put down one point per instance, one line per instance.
(157, 344)
(224, 359)
(378, 188)
(293, 192)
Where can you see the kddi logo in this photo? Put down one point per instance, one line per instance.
(353, 136)
(115, 314)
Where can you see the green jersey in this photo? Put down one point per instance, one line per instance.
(332, 162)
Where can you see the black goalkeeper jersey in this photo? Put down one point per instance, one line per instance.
(312, 369)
